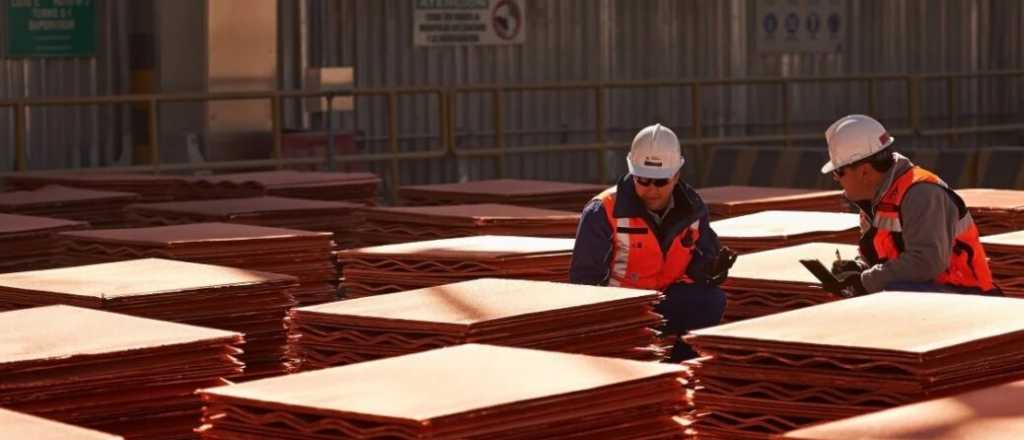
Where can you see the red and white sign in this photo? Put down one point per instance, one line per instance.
(469, 22)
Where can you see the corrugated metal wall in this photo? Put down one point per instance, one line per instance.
(69, 137)
(570, 40)
(567, 40)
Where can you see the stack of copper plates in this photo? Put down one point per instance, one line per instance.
(308, 256)
(774, 281)
(603, 321)
(1006, 259)
(278, 212)
(102, 209)
(396, 267)
(770, 375)
(253, 303)
(470, 392)
(111, 372)
(995, 211)
(149, 187)
(28, 243)
(417, 223)
(535, 193)
(993, 413)
(353, 187)
(775, 229)
(15, 425)
(731, 201)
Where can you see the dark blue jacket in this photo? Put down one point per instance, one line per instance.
(591, 256)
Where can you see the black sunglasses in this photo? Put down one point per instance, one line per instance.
(643, 181)
(841, 171)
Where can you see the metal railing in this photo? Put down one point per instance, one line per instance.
(153, 102)
(446, 103)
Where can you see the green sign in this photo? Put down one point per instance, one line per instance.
(51, 28)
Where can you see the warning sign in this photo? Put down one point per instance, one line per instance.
(469, 22)
(801, 25)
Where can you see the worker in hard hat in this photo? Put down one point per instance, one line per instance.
(916, 233)
(651, 231)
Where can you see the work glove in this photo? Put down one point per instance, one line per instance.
(842, 266)
(718, 270)
(849, 285)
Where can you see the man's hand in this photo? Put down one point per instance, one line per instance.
(850, 282)
(718, 270)
(842, 266)
(849, 285)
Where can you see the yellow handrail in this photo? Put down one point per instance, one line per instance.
(447, 98)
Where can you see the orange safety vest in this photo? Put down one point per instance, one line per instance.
(637, 259)
(968, 265)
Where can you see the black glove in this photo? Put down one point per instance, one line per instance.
(849, 285)
(718, 270)
(841, 266)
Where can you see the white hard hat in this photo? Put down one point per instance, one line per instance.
(852, 138)
(655, 153)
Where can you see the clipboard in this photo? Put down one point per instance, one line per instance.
(820, 272)
(828, 280)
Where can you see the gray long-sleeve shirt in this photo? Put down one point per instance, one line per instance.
(929, 217)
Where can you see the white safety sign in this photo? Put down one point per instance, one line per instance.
(801, 25)
(469, 22)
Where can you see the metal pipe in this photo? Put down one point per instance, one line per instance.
(393, 144)
(499, 132)
(913, 83)
(303, 17)
(442, 119)
(199, 96)
(217, 96)
(154, 136)
(724, 81)
(971, 130)
(491, 152)
(275, 121)
(984, 74)
(253, 163)
(447, 109)
(601, 125)
(452, 121)
(440, 153)
(332, 164)
(951, 107)
(631, 130)
(785, 112)
(698, 131)
(872, 91)
(683, 82)
(20, 137)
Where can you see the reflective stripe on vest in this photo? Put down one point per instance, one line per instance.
(620, 254)
(968, 265)
(637, 260)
